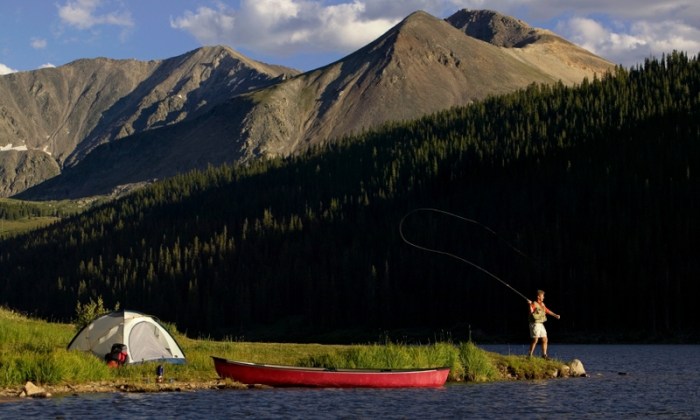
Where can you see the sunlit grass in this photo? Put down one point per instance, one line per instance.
(526, 368)
(12, 227)
(44, 213)
(478, 365)
(35, 350)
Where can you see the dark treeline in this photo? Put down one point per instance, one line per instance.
(597, 185)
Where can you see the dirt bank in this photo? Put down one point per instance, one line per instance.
(12, 394)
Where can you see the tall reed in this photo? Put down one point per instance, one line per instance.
(477, 365)
(389, 356)
(32, 350)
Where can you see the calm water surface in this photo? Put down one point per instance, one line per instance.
(625, 381)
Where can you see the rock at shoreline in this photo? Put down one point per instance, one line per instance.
(33, 391)
(576, 368)
(564, 371)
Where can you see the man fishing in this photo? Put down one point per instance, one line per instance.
(538, 316)
(538, 311)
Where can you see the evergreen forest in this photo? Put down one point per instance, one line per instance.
(590, 192)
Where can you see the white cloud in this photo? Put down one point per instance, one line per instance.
(623, 31)
(688, 10)
(666, 36)
(628, 44)
(38, 43)
(6, 70)
(286, 26)
(47, 66)
(82, 14)
(207, 25)
(346, 25)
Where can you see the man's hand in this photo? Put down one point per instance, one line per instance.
(557, 316)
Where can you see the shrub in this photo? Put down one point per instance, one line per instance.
(87, 312)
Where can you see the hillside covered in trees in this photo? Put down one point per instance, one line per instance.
(597, 185)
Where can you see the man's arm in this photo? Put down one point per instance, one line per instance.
(548, 312)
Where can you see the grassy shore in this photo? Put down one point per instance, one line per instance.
(35, 350)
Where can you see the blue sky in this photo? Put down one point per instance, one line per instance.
(306, 34)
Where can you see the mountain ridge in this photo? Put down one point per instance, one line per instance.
(493, 27)
(68, 111)
(422, 65)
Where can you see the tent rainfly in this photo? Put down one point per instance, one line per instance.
(144, 336)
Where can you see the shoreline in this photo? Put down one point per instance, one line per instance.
(573, 369)
(52, 391)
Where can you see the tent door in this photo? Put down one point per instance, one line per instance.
(147, 341)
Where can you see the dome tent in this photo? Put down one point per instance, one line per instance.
(144, 336)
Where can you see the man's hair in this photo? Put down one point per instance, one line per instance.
(540, 292)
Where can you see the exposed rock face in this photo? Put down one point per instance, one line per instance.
(22, 169)
(179, 89)
(538, 47)
(493, 27)
(65, 112)
(422, 65)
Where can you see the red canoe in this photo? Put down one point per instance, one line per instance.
(279, 376)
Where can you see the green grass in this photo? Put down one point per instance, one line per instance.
(478, 365)
(18, 216)
(526, 368)
(389, 356)
(14, 227)
(34, 350)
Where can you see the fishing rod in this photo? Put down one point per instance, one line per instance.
(437, 251)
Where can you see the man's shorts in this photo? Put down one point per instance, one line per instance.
(537, 330)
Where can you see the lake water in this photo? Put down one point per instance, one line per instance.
(625, 381)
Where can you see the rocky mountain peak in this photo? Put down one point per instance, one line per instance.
(213, 105)
(420, 24)
(493, 27)
(68, 111)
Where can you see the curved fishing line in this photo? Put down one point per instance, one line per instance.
(437, 251)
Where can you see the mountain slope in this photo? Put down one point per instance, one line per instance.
(180, 88)
(422, 65)
(493, 27)
(66, 112)
(24, 168)
(538, 47)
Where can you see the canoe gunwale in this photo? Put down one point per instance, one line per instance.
(295, 376)
(320, 369)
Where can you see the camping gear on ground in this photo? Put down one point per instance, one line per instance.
(159, 374)
(145, 338)
(117, 356)
(274, 375)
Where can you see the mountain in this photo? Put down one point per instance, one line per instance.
(422, 65)
(538, 47)
(493, 27)
(53, 118)
(594, 186)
